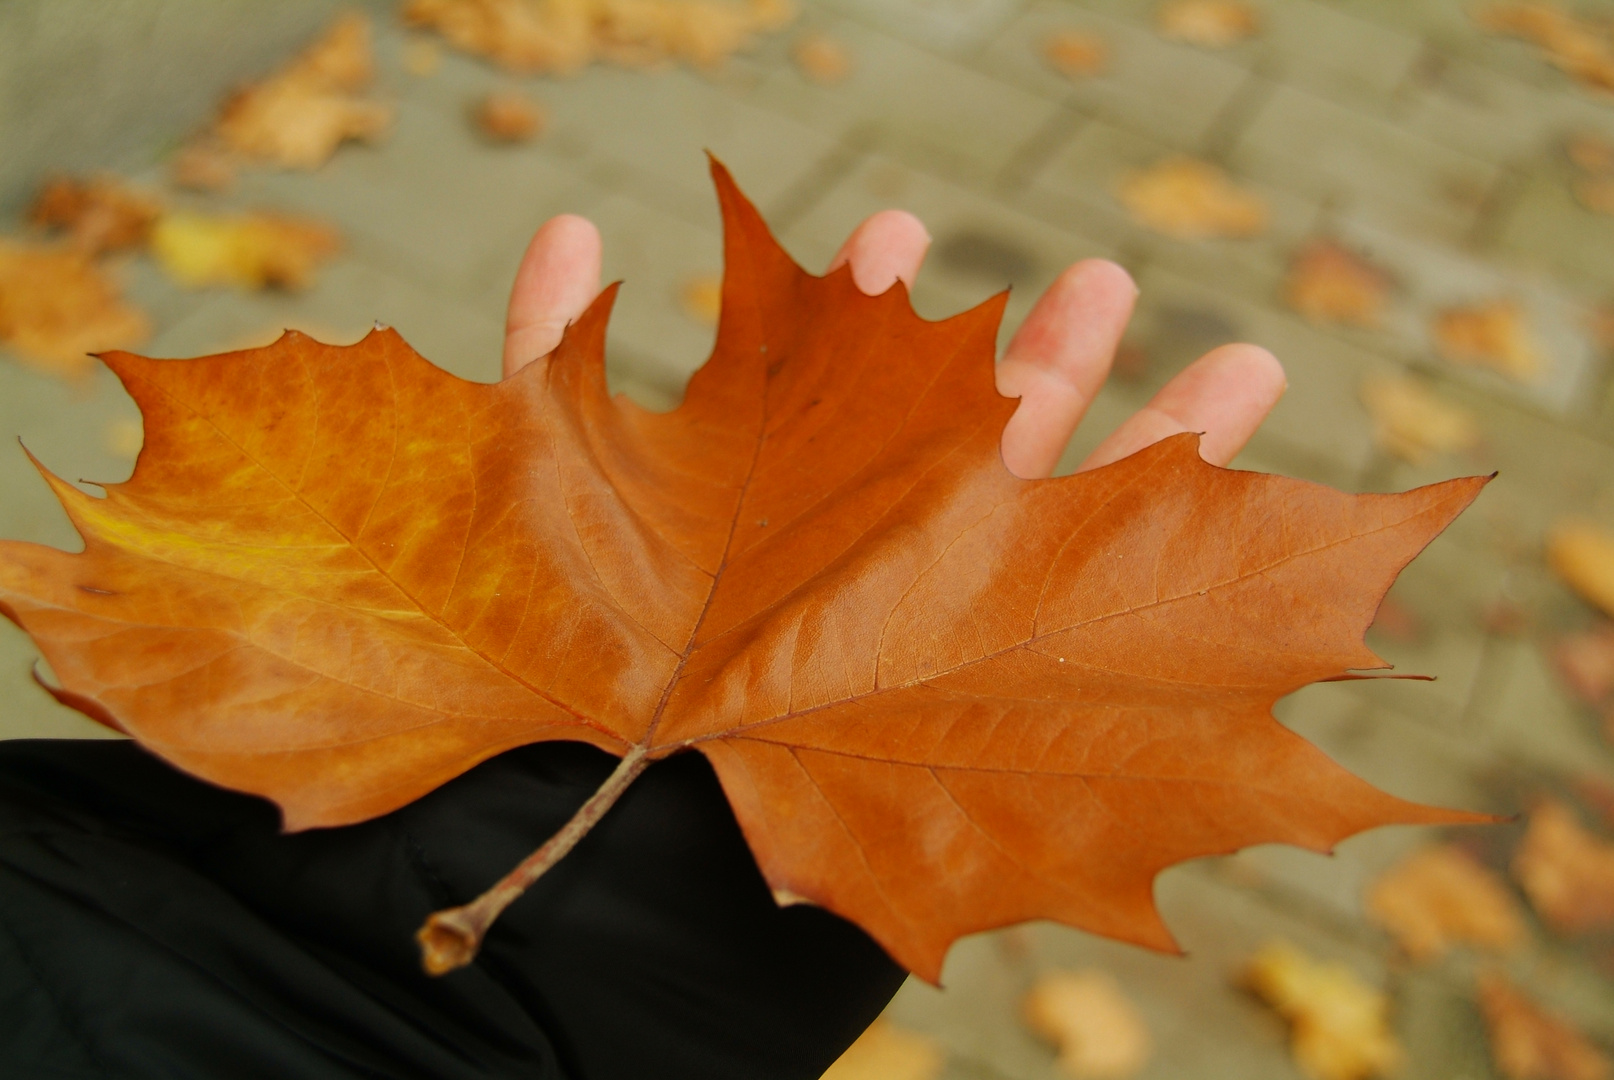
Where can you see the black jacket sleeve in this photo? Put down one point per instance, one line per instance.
(154, 926)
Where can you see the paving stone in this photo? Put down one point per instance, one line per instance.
(920, 107)
(950, 26)
(1546, 227)
(1170, 91)
(1302, 142)
(1330, 52)
(979, 246)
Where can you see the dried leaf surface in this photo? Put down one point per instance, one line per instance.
(1329, 283)
(1581, 48)
(887, 1052)
(1439, 898)
(1582, 554)
(1339, 1025)
(297, 117)
(1095, 1027)
(1192, 200)
(508, 116)
(940, 698)
(57, 306)
(1413, 422)
(563, 36)
(1529, 1043)
(1210, 24)
(99, 215)
(1495, 334)
(1566, 871)
(1076, 54)
(251, 251)
(824, 59)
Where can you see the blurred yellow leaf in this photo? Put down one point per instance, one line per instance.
(1528, 1043)
(1076, 54)
(1191, 200)
(1566, 871)
(1098, 1032)
(1330, 284)
(253, 251)
(1582, 554)
(886, 1052)
(1412, 422)
(1339, 1025)
(99, 215)
(822, 59)
(1495, 334)
(510, 117)
(57, 306)
(1210, 24)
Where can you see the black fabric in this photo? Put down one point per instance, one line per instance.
(154, 926)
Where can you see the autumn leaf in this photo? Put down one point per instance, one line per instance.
(297, 117)
(1098, 1031)
(887, 1052)
(100, 215)
(1413, 422)
(1495, 334)
(940, 698)
(1340, 1027)
(1439, 897)
(1566, 870)
(822, 58)
(1076, 54)
(1529, 1043)
(249, 251)
(1210, 24)
(1191, 200)
(1329, 283)
(563, 36)
(1582, 555)
(1579, 47)
(508, 117)
(57, 306)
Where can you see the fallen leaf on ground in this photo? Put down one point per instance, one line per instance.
(57, 306)
(1582, 555)
(701, 298)
(1529, 1043)
(297, 117)
(202, 166)
(1210, 24)
(886, 1052)
(1596, 193)
(1192, 200)
(1097, 1030)
(508, 117)
(1413, 422)
(1581, 48)
(1566, 871)
(1328, 283)
(1076, 54)
(1439, 897)
(250, 251)
(563, 36)
(422, 57)
(1495, 334)
(1586, 662)
(1591, 153)
(939, 697)
(1339, 1025)
(99, 215)
(822, 59)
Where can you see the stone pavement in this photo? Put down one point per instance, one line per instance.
(1393, 124)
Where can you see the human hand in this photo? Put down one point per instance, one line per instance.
(1055, 364)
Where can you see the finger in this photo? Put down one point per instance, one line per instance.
(1225, 394)
(558, 278)
(1059, 358)
(887, 247)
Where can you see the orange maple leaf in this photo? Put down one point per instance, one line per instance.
(939, 697)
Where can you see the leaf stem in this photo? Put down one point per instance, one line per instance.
(450, 938)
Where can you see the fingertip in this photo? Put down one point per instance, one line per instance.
(886, 248)
(1252, 367)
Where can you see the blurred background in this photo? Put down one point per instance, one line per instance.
(1411, 202)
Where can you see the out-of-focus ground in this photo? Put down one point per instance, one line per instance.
(1396, 126)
